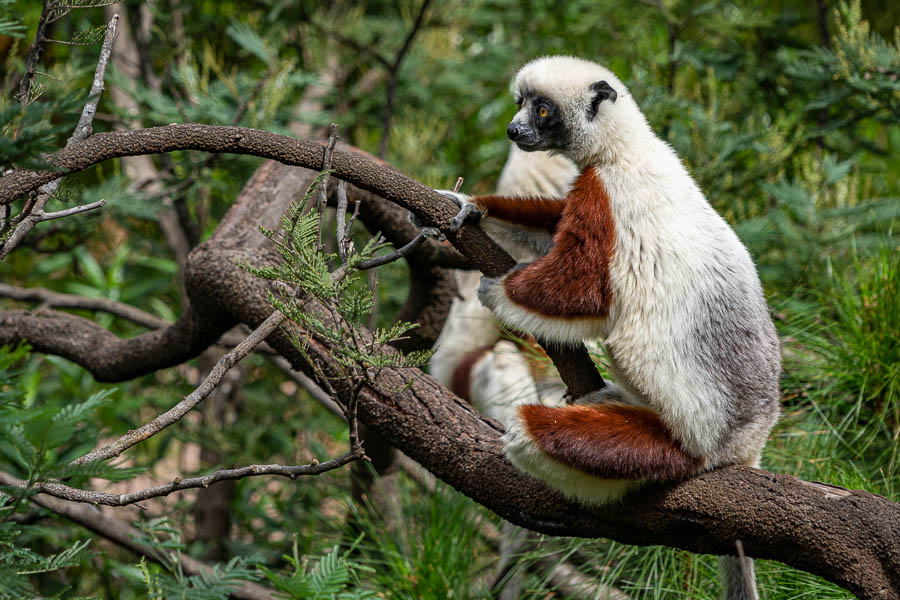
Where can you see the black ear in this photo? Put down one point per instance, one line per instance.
(602, 91)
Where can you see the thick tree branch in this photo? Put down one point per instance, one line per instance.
(113, 359)
(435, 210)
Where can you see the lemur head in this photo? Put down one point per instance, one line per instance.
(577, 108)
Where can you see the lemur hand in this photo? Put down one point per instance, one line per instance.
(467, 209)
(429, 232)
(490, 289)
(485, 291)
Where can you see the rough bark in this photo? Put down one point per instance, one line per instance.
(849, 538)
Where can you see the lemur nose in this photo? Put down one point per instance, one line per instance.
(514, 131)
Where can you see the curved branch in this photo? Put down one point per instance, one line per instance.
(434, 209)
(111, 358)
(61, 300)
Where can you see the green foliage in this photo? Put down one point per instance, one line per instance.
(853, 343)
(168, 580)
(858, 78)
(333, 576)
(17, 562)
(26, 441)
(38, 441)
(10, 21)
(342, 294)
(432, 550)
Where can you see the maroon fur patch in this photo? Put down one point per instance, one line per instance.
(609, 441)
(461, 380)
(573, 280)
(542, 213)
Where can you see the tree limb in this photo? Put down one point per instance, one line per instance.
(574, 365)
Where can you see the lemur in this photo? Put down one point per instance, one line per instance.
(637, 257)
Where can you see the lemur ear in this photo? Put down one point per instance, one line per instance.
(602, 91)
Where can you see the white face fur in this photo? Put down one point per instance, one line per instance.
(566, 88)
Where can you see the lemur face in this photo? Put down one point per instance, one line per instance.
(539, 124)
(566, 106)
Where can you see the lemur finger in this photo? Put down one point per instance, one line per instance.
(457, 197)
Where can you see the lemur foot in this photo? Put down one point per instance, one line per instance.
(467, 210)
(490, 289)
(608, 393)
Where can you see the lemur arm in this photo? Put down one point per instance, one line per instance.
(572, 281)
(541, 213)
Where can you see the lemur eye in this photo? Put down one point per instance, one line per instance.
(518, 103)
(543, 112)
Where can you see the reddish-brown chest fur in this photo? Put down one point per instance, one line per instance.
(572, 281)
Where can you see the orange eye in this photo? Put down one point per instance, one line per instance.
(543, 112)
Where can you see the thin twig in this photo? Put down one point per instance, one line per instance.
(126, 536)
(343, 232)
(308, 384)
(391, 257)
(34, 52)
(82, 131)
(393, 70)
(45, 216)
(293, 471)
(174, 414)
